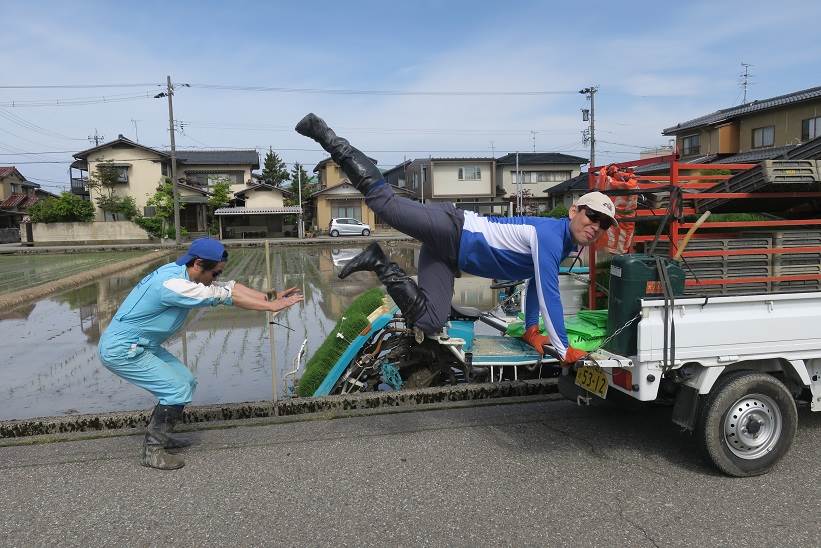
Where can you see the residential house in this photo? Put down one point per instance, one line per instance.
(143, 168)
(16, 195)
(761, 129)
(567, 192)
(537, 173)
(337, 197)
(258, 210)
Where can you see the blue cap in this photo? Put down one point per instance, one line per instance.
(204, 248)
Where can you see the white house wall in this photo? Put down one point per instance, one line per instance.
(264, 198)
(144, 174)
(446, 180)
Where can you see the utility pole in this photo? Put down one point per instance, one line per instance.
(590, 92)
(533, 136)
(300, 230)
(170, 93)
(96, 138)
(136, 133)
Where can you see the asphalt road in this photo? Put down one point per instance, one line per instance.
(544, 473)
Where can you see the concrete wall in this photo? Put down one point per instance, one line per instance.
(94, 232)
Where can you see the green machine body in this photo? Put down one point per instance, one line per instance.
(634, 277)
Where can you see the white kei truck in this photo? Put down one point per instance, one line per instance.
(735, 367)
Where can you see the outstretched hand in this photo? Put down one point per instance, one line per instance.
(288, 292)
(285, 302)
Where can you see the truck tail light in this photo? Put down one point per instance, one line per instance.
(623, 378)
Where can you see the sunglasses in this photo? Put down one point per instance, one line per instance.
(604, 221)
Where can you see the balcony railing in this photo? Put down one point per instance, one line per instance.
(79, 185)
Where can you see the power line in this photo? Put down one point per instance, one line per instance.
(26, 124)
(375, 91)
(74, 101)
(78, 86)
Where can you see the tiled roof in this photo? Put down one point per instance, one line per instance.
(218, 157)
(5, 171)
(257, 210)
(13, 201)
(747, 108)
(579, 182)
(262, 186)
(535, 158)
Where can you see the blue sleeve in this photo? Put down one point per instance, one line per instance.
(531, 304)
(188, 294)
(547, 254)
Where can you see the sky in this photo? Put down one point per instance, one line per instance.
(655, 64)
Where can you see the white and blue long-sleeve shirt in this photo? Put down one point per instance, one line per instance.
(521, 248)
(157, 307)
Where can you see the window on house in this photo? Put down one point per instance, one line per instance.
(346, 210)
(810, 128)
(540, 176)
(14, 188)
(470, 173)
(122, 174)
(149, 211)
(209, 179)
(415, 181)
(690, 145)
(763, 137)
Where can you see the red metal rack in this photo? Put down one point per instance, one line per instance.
(691, 184)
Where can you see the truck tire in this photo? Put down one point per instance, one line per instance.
(747, 423)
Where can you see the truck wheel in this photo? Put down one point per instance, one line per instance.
(747, 423)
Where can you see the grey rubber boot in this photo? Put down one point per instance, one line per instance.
(359, 169)
(401, 287)
(154, 453)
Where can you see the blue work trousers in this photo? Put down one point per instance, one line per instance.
(157, 370)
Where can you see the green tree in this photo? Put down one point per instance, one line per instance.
(161, 224)
(274, 171)
(104, 181)
(220, 197)
(68, 208)
(298, 173)
(558, 212)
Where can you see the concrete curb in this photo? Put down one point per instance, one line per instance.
(124, 423)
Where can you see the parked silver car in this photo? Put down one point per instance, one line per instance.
(348, 226)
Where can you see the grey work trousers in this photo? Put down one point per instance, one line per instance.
(439, 227)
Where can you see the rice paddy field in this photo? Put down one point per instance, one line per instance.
(24, 271)
(50, 365)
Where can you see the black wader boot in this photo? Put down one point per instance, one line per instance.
(359, 169)
(401, 287)
(157, 436)
(174, 442)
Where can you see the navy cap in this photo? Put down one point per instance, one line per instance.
(204, 248)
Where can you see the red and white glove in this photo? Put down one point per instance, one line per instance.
(572, 356)
(535, 339)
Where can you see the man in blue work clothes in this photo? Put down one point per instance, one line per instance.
(453, 240)
(154, 310)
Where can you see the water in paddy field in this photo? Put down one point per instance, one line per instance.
(50, 365)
